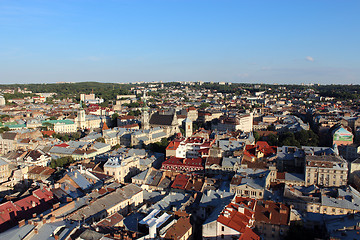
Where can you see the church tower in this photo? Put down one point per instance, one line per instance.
(145, 115)
(81, 117)
(188, 128)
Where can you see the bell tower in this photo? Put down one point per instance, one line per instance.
(145, 114)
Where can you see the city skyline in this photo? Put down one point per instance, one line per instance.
(128, 41)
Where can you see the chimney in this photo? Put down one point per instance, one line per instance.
(152, 230)
(241, 209)
(21, 223)
(283, 211)
(56, 205)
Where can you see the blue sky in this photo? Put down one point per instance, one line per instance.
(180, 40)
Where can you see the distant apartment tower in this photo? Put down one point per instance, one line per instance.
(86, 97)
(2, 101)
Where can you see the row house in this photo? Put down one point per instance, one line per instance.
(183, 164)
(337, 201)
(122, 200)
(12, 212)
(191, 147)
(327, 171)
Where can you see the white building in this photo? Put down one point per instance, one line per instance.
(121, 168)
(233, 123)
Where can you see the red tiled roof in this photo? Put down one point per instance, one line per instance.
(126, 117)
(249, 235)
(8, 211)
(173, 145)
(262, 146)
(43, 194)
(179, 229)
(111, 220)
(180, 181)
(48, 133)
(213, 160)
(62, 145)
(280, 175)
(28, 202)
(272, 212)
(235, 219)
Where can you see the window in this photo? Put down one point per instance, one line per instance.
(222, 228)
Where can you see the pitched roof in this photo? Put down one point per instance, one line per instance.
(180, 181)
(179, 229)
(111, 220)
(237, 214)
(272, 212)
(173, 145)
(161, 119)
(8, 211)
(249, 234)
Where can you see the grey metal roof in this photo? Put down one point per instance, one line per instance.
(141, 176)
(79, 179)
(61, 150)
(348, 198)
(106, 202)
(45, 231)
(294, 177)
(17, 233)
(173, 199)
(214, 198)
(158, 135)
(230, 162)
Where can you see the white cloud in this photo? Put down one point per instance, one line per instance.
(310, 59)
(266, 68)
(243, 75)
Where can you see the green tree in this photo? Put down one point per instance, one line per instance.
(288, 139)
(4, 129)
(204, 105)
(272, 140)
(100, 139)
(256, 136)
(159, 146)
(48, 125)
(134, 113)
(61, 162)
(117, 146)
